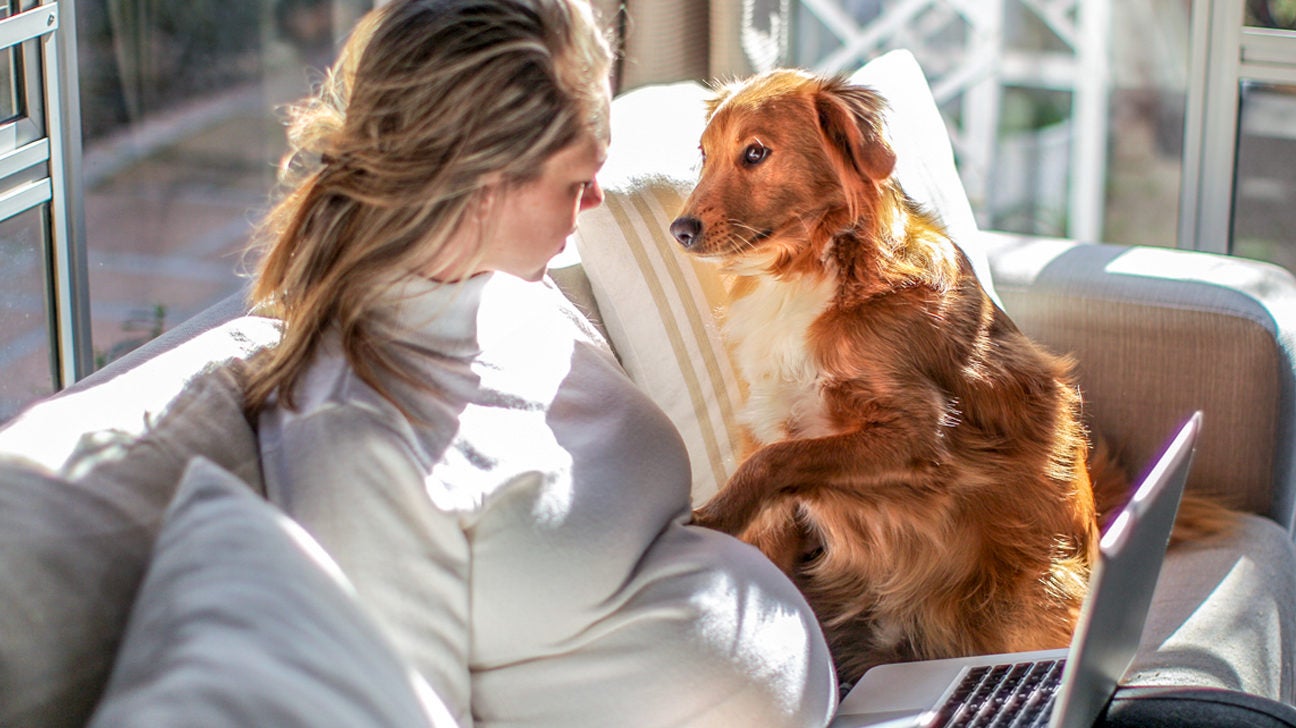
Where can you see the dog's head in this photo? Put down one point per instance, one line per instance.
(789, 158)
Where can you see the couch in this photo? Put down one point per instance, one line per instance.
(145, 581)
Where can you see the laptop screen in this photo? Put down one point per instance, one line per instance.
(1123, 581)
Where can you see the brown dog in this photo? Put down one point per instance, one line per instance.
(921, 470)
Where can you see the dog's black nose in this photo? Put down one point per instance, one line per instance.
(687, 230)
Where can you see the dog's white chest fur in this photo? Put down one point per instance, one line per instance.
(767, 330)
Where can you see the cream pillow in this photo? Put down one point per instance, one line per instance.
(244, 620)
(658, 304)
(657, 307)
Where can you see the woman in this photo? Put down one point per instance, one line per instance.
(510, 509)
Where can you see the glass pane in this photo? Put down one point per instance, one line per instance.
(1010, 110)
(182, 126)
(1264, 219)
(1026, 29)
(10, 75)
(25, 354)
(1029, 190)
(1150, 67)
(1271, 14)
(10, 101)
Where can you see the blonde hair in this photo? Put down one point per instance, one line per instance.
(428, 101)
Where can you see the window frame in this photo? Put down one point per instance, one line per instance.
(40, 166)
(1226, 53)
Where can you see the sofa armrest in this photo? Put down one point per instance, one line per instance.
(223, 311)
(1158, 333)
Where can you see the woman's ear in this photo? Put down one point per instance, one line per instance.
(850, 119)
(486, 196)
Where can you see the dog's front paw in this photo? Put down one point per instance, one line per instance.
(709, 516)
(740, 499)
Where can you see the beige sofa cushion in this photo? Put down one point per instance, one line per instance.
(1159, 333)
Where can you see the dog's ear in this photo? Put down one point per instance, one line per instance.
(851, 121)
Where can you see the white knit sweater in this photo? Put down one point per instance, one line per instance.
(522, 537)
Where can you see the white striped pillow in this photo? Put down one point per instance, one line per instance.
(657, 307)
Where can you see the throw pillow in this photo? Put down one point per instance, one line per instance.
(244, 620)
(84, 481)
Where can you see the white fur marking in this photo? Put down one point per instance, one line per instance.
(767, 329)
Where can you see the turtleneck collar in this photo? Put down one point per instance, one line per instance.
(464, 318)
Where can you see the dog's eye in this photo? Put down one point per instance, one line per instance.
(755, 154)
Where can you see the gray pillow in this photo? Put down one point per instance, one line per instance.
(244, 620)
(84, 481)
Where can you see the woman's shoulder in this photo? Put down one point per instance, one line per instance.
(336, 409)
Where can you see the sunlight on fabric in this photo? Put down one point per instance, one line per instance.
(1030, 255)
(757, 621)
(1193, 278)
(108, 416)
(505, 440)
(628, 155)
(1172, 264)
(1206, 635)
(1230, 277)
(433, 707)
(311, 549)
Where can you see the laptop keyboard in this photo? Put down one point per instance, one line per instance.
(1017, 695)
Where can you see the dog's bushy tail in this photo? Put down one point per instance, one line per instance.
(1110, 482)
(1201, 517)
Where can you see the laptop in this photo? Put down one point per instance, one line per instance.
(1063, 688)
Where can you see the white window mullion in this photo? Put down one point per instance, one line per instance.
(1210, 144)
(1268, 56)
(1089, 119)
(982, 98)
(72, 306)
(862, 40)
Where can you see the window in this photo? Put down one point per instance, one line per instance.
(1155, 122)
(138, 145)
(139, 140)
(1264, 219)
(24, 317)
(182, 116)
(1242, 130)
(43, 314)
(1025, 86)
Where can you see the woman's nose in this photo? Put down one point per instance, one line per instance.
(592, 196)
